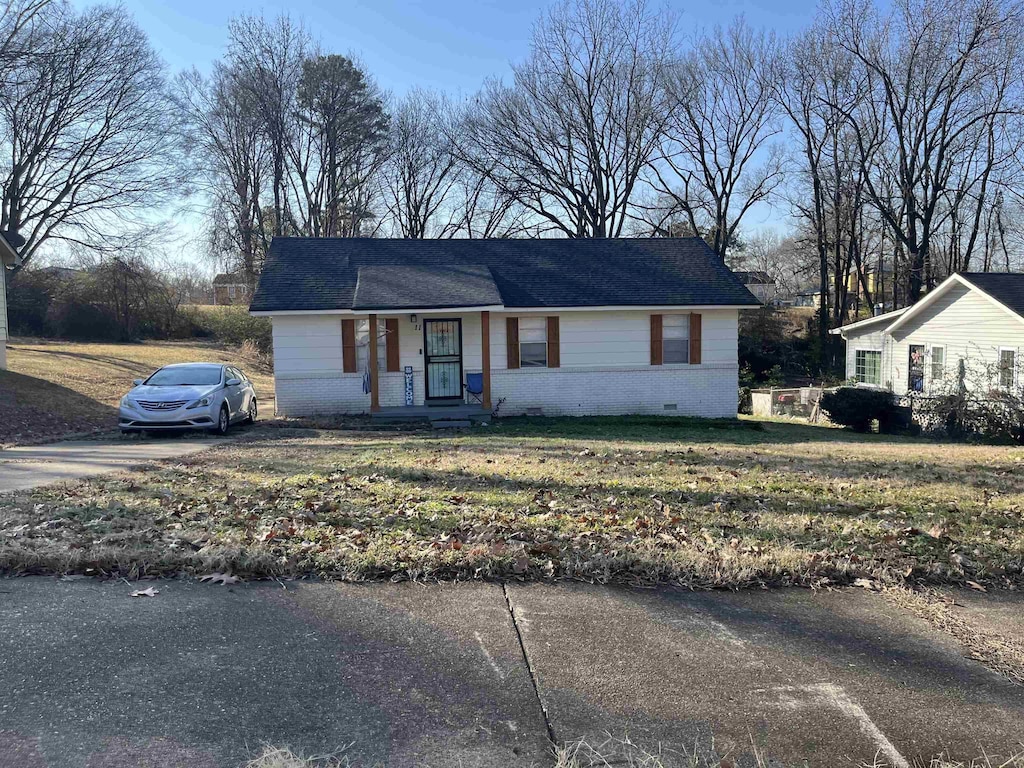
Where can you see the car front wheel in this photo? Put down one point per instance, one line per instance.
(223, 422)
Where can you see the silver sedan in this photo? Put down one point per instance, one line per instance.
(189, 396)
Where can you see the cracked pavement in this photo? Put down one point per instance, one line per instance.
(481, 674)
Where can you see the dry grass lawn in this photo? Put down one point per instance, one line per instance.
(641, 501)
(55, 388)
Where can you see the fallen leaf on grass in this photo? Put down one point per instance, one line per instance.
(866, 584)
(148, 592)
(976, 586)
(219, 578)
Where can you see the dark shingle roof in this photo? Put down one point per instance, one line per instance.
(1005, 287)
(412, 287)
(230, 278)
(323, 273)
(755, 278)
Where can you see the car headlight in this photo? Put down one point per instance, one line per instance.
(126, 402)
(200, 403)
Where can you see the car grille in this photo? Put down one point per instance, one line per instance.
(167, 405)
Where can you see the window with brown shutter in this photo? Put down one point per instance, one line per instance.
(554, 343)
(348, 346)
(391, 344)
(695, 341)
(512, 341)
(656, 351)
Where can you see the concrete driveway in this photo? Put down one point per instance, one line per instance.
(481, 674)
(31, 466)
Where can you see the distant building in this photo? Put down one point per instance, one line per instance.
(808, 299)
(231, 288)
(759, 283)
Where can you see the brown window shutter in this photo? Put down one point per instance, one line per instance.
(656, 348)
(512, 341)
(554, 343)
(391, 343)
(695, 342)
(348, 346)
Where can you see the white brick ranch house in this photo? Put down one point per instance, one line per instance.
(977, 317)
(553, 327)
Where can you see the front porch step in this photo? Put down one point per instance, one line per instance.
(420, 414)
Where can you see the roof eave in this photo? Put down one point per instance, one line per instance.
(8, 254)
(502, 308)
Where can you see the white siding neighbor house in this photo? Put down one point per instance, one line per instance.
(973, 317)
(552, 327)
(8, 258)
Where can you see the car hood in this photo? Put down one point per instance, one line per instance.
(163, 394)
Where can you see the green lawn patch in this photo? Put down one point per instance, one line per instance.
(641, 501)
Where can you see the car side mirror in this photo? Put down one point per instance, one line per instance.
(136, 382)
(232, 382)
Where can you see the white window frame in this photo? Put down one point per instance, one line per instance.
(856, 375)
(544, 325)
(231, 292)
(362, 341)
(1013, 370)
(686, 326)
(931, 363)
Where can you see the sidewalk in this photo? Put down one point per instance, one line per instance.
(477, 675)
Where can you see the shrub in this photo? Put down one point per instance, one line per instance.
(230, 325)
(859, 407)
(971, 407)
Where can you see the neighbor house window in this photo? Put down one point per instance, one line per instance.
(533, 342)
(675, 339)
(231, 292)
(938, 363)
(868, 367)
(1007, 368)
(363, 341)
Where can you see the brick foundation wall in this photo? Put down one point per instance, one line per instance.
(695, 390)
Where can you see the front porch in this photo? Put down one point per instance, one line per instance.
(432, 360)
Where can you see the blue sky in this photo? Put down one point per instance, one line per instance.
(449, 45)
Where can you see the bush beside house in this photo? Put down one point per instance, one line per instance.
(860, 407)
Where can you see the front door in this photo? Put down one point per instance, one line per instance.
(442, 351)
(915, 368)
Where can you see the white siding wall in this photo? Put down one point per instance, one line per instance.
(967, 323)
(307, 368)
(870, 338)
(605, 367)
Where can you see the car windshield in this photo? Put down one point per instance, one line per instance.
(185, 375)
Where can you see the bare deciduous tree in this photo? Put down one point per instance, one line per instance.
(716, 159)
(223, 138)
(84, 128)
(941, 74)
(421, 172)
(572, 134)
(267, 57)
